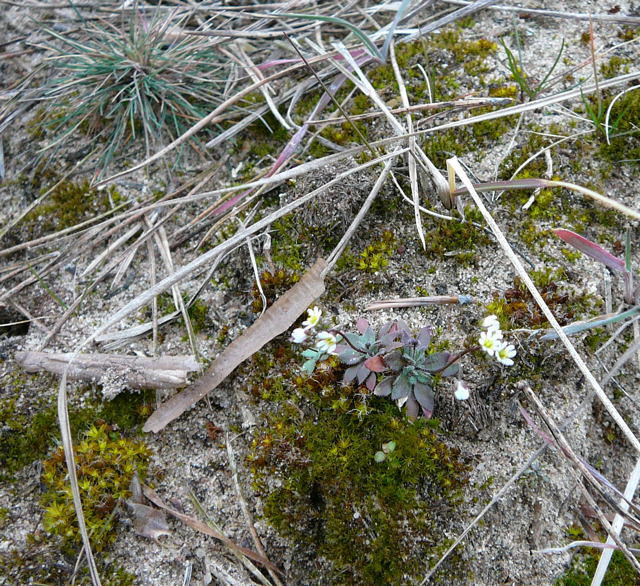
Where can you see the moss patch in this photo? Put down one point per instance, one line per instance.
(375, 521)
(516, 308)
(106, 462)
(620, 572)
(69, 204)
(29, 429)
(462, 238)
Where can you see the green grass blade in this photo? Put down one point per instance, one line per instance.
(340, 22)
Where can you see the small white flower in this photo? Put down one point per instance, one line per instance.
(491, 322)
(298, 335)
(313, 317)
(462, 391)
(505, 353)
(326, 342)
(490, 341)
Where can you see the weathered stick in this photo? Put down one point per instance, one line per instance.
(138, 372)
(419, 301)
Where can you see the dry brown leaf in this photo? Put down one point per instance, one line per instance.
(148, 522)
(277, 319)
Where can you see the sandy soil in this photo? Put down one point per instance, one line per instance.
(488, 430)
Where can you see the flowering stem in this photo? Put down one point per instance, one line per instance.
(456, 358)
(344, 338)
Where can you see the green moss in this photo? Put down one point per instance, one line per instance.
(373, 258)
(287, 250)
(198, 311)
(29, 430)
(298, 241)
(106, 462)
(504, 91)
(464, 139)
(620, 572)
(372, 519)
(273, 285)
(346, 133)
(628, 33)
(552, 208)
(69, 204)
(625, 118)
(464, 238)
(266, 136)
(615, 66)
(516, 308)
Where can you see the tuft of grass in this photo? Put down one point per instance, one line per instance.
(142, 77)
(529, 86)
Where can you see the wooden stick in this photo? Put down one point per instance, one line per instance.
(138, 372)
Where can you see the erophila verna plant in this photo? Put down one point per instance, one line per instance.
(393, 362)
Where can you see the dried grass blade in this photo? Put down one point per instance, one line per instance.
(413, 169)
(616, 526)
(198, 525)
(620, 18)
(244, 507)
(584, 471)
(601, 320)
(455, 168)
(419, 301)
(67, 444)
(211, 255)
(277, 319)
(244, 560)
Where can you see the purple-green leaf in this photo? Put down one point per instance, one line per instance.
(350, 357)
(451, 370)
(362, 373)
(401, 387)
(394, 360)
(371, 381)
(383, 388)
(436, 361)
(424, 396)
(424, 337)
(412, 407)
(350, 374)
(375, 363)
(362, 325)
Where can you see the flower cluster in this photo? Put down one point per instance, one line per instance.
(325, 341)
(325, 344)
(492, 343)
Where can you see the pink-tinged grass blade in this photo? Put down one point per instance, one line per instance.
(591, 249)
(295, 141)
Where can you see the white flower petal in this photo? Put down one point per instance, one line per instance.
(505, 354)
(326, 342)
(313, 317)
(298, 335)
(491, 322)
(462, 391)
(490, 341)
